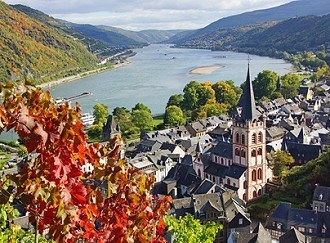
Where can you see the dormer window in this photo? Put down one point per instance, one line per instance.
(240, 221)
(320, 196)
(279, 226)
(324, 229)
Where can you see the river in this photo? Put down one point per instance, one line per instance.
(158, 71)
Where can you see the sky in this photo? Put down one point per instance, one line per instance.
(146, 14)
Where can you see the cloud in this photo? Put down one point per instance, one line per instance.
(146, 14)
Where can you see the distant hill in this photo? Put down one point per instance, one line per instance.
(143, 36)
(93, 45)
(30, 48)
(270, 38)
(108, 37)
(280, 13)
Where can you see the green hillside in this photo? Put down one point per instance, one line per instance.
(37, 51)
(283, 12)
(95, 46)
(270, 38)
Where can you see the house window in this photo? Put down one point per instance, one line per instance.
(253, 153)
(234, 184)
(254, 177)
(259, 151)
(237, 138)
(260, 137)
(243, 153)
(243, 139)
(245, 184)
(310, 230)
(240, 221)
(254, 194)
(237, 153)
(253, 138)
(279, 226)
(273, 223)
(259, 174)
(244, 197)
(301, 229)
(228, 181)
(199, 173)
(222, 161)
(259, 192)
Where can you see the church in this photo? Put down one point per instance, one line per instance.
(239, 164)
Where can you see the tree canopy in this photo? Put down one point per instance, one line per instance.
(264, 84)
(191, 230)
(100, 113)
(67, 201)
(173, 116)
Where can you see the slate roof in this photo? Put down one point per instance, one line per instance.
(205, 187)
(235, 171)
(322, 194)
(304, 152)
(305, 217)
(216, 169)
(247, 101)
(184, 174)
(222, 149)
(293, 236)
(203, 202)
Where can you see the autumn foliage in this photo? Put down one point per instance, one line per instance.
(68, 203)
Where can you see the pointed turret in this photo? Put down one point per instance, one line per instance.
(198, 148)
(247, 101)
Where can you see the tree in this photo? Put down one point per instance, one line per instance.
(52, 185)
(265, 84)
(205, 93)
(190, 95)
(173, 116)
(100, 113)
(225, 93)
(142, 119)
(95, 131)
(123, 117)
(190, 230)
(176, 100)
(290, 85)
(215, 109)
(280, 161)
(140, 106)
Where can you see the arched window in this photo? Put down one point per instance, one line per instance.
(253, 138)
(245, 184)
(253, 153)
(260, 137)
(237, 138)
(259, 174)
(259, 192)
(243, 153)
(254, 175)
(259, 151)
(237, 153)
(199, 173)
(244, 197)
(243, 139)
(222, 161)
(254, 194)
(228, 181)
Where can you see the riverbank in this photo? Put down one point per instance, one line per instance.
(205, 70)
(80, 75)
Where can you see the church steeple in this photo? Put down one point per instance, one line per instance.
(247, 101)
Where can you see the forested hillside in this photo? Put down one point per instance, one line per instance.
(32, 49)
(270, 38)
(289, 10)
(95, 46)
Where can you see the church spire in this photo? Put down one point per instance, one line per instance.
(278, 84)
(247, 100)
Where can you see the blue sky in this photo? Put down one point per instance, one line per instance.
(146, 14)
